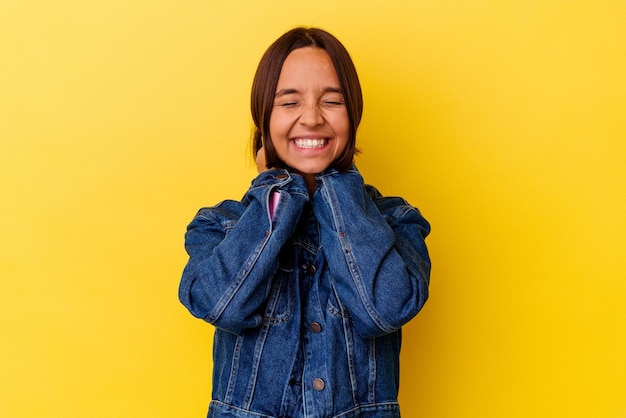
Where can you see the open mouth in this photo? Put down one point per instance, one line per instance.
(309, 143)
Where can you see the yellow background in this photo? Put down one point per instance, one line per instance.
(503, 121)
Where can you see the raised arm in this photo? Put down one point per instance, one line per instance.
(375, 251)
(233, 251)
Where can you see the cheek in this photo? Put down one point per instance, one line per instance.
(342, 126)
(279, 125)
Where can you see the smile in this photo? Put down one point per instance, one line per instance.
(310, 143)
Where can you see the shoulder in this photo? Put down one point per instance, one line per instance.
(395, 208)
(387, 203)
(224, 213)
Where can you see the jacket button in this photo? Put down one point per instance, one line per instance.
(315, 327)
(308, 269)
(282, 176)
(318, 384)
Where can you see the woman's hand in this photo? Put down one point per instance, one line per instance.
(260, 160)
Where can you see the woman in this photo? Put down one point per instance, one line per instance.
(309, 278)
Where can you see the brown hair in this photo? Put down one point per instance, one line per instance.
(266, 80)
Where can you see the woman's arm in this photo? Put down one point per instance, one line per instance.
(376, 253)
(233, 251)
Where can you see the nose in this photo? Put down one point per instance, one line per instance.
(312, 116)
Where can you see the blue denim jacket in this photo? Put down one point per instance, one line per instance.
(308, 301)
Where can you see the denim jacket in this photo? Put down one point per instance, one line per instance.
(307, 299)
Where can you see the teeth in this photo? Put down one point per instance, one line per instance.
(310, 143)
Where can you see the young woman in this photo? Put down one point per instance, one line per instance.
(310, 277)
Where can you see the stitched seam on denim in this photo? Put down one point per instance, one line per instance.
(337, 312)
(391, 406)
(227, 406)
(270, 317)
(268, 197)
(371, 397)
(284, 274)
(258, 350)
(345, 322)
(234, 367)
(229, 294)
(351, 262)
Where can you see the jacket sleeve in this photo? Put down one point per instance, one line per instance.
(376, 253)
(233, 256)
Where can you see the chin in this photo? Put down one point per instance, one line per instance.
(311, 170)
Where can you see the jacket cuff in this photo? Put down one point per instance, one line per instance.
(282, 179)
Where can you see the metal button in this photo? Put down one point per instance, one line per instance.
(318, 384)
(311, 269)
(315, 327)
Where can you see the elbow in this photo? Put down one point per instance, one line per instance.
(418, 299)
(190, 300)
(200, 303)
(235, 324)
(393, 312)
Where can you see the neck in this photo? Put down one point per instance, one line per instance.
(311, 183)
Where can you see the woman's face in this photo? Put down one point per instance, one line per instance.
(309, 123)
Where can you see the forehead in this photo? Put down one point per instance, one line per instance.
(308, 65)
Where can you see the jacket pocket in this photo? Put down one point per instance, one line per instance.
(334, 306)
(336, 310)
(281, 302)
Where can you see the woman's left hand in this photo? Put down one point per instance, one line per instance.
(260, 160)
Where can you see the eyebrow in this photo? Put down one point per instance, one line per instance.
(284, 92)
